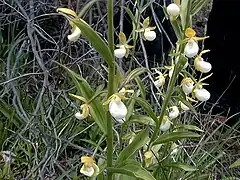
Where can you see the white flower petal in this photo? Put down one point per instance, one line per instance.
(149, 35)
(79, 116)
(118, 110)
(87, 171)
(191, 49)
(203, 66)
(120, 53)
(165, 125)
(183, 106)
(160, 82)
(202, 94)
(75, 34)
(173, 9)
(174, 112)
(187, 88)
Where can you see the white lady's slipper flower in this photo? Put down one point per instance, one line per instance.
(185, 65)
(160, 80)
(76, 32)
(166, 124)
(117, 109)
(174, 112)
(7, 156)
(202, 65)
(148, 158)
(149, 34)
(183, 106)
(89, 167)
(191, 48)
(174, 148)
(84, 114)
(187, 85)
(173, 9)
(121, 52)
(202, 94)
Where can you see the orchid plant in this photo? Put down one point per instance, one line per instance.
(157, 143)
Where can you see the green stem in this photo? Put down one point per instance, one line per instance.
(165, 104)
(111, 75)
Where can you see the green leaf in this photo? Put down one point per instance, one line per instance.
(130, 107)
(197, 6)
(86, 7)
(185, 13)
(141, 87)
(188, 127)
(129, 12)
(96, 41)
(182, 166)
(174, 136)
(177, 29)
(142, 120)
(9, 113)
(97, 111)
(139, 141)
(147, 108)
(134, 74)
(133, 169)
(124, 177)
(235, 164)
(146, 6)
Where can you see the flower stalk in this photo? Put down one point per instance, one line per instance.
(111, 76)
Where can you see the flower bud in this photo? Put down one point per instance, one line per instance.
(174, 112)
(191, 49)
(183, 106)
(149, 35)
(118, 110)
(202, 65)
(187, 85)
(173, 9)
(121, 52)
(76, 32)
(202, 94)
(165, 125)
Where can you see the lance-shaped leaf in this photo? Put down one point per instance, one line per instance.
(133, 169)
(96, 108)
(139, 141)
(174, 136)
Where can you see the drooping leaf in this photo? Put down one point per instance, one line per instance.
(188, 127)
(139, 141)
(142, 120)
(182, 166)
(96, 108)
(96, 41)
(134, 74)
(175, 136)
